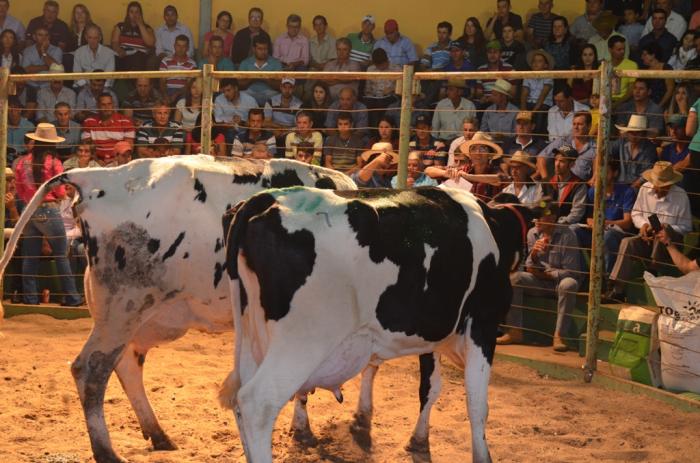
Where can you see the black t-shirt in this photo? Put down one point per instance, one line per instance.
(514, 20)
(58, 32)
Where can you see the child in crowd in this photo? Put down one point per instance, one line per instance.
(631, 28)
(685, 52)
(536, 95)
(512, 51)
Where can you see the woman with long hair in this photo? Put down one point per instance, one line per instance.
(187, 109)
(223, 29)
(683, 98)
(33, 169)
(661, 89)
(318, 104)
(80, 19)
(561, 44)
(133, 41)
(10, 49)
(473, 42)
(387, 132)
(581, 89)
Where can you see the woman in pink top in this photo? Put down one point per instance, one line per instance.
(224, 26)
(33, 169)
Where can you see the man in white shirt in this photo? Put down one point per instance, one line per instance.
(561, 114)
(232, 105)
(451, 111)
(93, 55)
(659, 197)
(166, 34)
(675, 23)
(55, 92)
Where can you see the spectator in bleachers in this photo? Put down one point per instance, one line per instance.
(683, 98)
(292, 47)
(342, 149)
(55, 92)
(304, 134)
(660, 36)
(260, 89)
(387, 132)
(561, 115)
(38, 57)
(139, 102)
(684, 263)
(580, 141)
(633, 150)
(552, 265)
(254, 134)
(224, 25)
(107, 128)
(470, 125)
(493, 63)
(86, 103)
(458, 60)
(581, 89)
(415, 176)
(66, 128)
(685, 52)
(605, 25)
(93, 55)
(484, 156)
(693, 174)
(188, 108)
(521, 168)
(218, 147)
(399, 48)
(9, 49)
(174, 87)
(17, 127)
(318, 102)
(437, 54)
(539, 26)
(678, 151)
(347, 101)
(675, 23)
(133, 40)
(362, 43)
(660, 196)
(566, 188)
(216, 56)
(561, 45)
(9, 22)
(342, 63)
(158, 129)
(83, 156)
(499, 118)
(243, 41)
(80, 20)
(526, 139)
(641, 103)
(378, 167)
(379, 94)
(304, 152)
(451, 111)
(433, 149)
(512, 50)
(31, 171)
(280, 110)
(536, 94)
(631, 28)
(473, 42)
(661, 89)
(58, 32)
(621, 86)
(321, 45)
(231, 106)
(502, 17)
(582, 27)
(169, 33)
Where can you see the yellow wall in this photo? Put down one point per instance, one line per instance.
(417, 18)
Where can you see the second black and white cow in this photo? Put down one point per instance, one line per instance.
(324, 282)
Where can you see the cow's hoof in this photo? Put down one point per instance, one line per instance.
(418, 446)
(108, 457)
(304, 437)
(161, 441)
(360, 430)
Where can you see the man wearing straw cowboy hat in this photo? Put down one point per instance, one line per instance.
(521, 168)
(379, 165)
(661, 198)
(634, 151)
(32, 170)
(499, 118)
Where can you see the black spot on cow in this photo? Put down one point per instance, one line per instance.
(399, 226)
(100, 193)
(218, 273)
(219, 245)
(427, 366)
(153, 245)
(90, 243)
(325, 183)
(173, 247)
(99, 369)
(140, 358)
(247, 178)
(119, 257)
(171, 294)
(286, 178)
(244, 299)
(186, 255)
(201, 195)
(130, 305)
(148, 302)
(148, 214)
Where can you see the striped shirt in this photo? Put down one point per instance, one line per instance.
(541, 26)
(172, 63)
(105, 134)
(130, 39)
(148, 134)
(361, 51)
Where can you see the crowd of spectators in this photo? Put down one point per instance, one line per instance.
(533, 139)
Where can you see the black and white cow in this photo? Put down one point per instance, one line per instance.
(152, 230)
(324, 282)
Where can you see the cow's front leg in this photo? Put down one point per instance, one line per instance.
(428, 392)
(361, 426)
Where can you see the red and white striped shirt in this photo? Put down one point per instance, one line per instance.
(172, 63)
(105, 134)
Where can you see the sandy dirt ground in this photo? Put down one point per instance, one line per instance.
(533, 418)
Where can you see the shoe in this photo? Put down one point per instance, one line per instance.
(73, 304)
(511, 337)
(558, 345)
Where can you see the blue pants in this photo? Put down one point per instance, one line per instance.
(46, 222)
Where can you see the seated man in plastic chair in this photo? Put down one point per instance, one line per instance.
(553, 265)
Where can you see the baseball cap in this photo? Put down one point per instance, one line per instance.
(423, 119)
(493, 45)
(455, 44)
(369, 18)
(677, 120)
(121, 147)
(289, 80)
(566, 151)
(524, 116)
(391, 26)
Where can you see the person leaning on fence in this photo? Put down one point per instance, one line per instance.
(304, 133)
(685, 264)
(415, 176)
(378, 167)
(162, 129)
(244, 141)
(31, 171)
(693, 172)
(469, 127)
(304, 152)
(662, 197)
(553, 264)
(341, 150)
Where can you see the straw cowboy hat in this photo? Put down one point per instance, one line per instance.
(458, 83)
(483, 139)
(637, 123)
(9, 172)
(502, 86)
(56, 68)
(522, 157)
(383, 147)
(605, 21)
(532, 53)
(47, 133)
(662, 174)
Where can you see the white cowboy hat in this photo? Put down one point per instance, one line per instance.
(481, 138)
(662, 174)
(637, 123)
(47, 133)
(522, 157)
(502, 86)
(382, 147)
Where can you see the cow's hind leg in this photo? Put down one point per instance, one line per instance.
(300, 427)
(479, 355)
(362, 422)
(429, 391)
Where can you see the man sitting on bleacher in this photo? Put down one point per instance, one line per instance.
(659, 196)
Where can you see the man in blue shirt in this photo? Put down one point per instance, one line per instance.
(39, 57)
(399, 48)
(437, 55)
(260, 89)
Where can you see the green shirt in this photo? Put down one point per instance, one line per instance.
(361, 51)
(695, 142)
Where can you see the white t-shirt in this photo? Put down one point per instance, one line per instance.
(189, 115)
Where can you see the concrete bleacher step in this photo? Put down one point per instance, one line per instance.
(606, 338)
